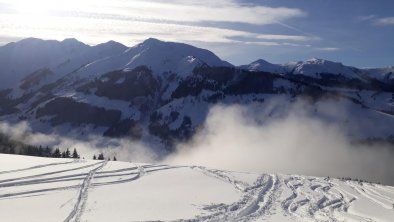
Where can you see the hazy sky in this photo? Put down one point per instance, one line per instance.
(356, 32)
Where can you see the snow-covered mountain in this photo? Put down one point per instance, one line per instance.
(162, 91)
(160, 57)
(262, 65)
(385, 74)
(33, 62)
(47, 189)
(319, 68)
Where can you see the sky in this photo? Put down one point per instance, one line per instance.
(355, 32)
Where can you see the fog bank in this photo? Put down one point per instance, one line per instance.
(236, 138)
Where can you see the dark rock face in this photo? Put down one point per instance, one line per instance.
(66, 110)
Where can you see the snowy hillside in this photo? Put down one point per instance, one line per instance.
(317, 68)
(386, 73)
(45, 189)
(161, 57)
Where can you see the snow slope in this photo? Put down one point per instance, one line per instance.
(43, 189)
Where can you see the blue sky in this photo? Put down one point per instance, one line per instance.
(355, 32)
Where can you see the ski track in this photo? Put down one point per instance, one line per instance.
(372, 195)
(257, 201)
(239, 185)
(24, 182)
(313, 198)
(48, 173)
(38, 166)
(79, 206)
(300, 198)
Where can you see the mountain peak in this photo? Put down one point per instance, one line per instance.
(73, 42)
(263, 65)
(31, 40)
(318, 61)
(150, 41)
(261, 61)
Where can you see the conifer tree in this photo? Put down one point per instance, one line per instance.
(75, 154)
(114, 158)
(57, 153)
(64, 154)
(94, 157)
(48, 152)
(101, 156)
(68, 153)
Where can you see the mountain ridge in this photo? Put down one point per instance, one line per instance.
(163, 91)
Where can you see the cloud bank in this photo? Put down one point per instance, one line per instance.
(274, 137)
(237, 138)
(123, 149)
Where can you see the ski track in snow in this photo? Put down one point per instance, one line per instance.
(47, 173)
(307, 198)
(257, 200)
(374, 196)
(313, 198)
(36, 167)
(79, 206)
(239, 185)
(299, 198)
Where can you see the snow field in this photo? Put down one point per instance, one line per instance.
(44, 189)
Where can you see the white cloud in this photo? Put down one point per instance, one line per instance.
(130, 32)
(197, 22)
(365, 18)
(376, 20)
(175, 11)
(287, 37)
(385, 21)
(328, 49)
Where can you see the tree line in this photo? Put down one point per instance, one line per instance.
(10, 146)
(102, 157)
(29, 150)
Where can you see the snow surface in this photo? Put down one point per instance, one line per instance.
(44, 189)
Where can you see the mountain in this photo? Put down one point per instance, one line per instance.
(262, 65)
(30, 61)
(162, 91)
(160, 57)
(385, 74)
(87, 190)
(319, 68)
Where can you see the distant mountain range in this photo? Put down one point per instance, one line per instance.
(162, 91)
